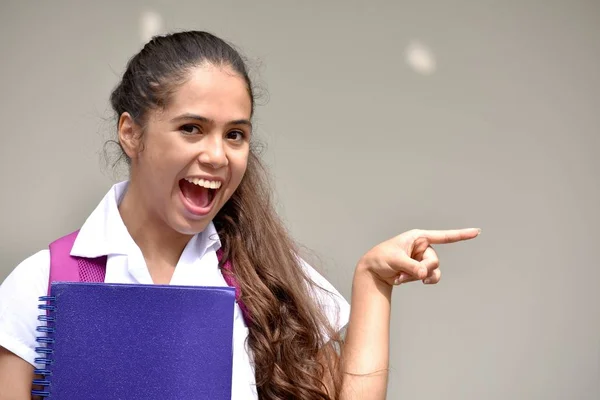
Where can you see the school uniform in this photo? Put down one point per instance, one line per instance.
(104, 233)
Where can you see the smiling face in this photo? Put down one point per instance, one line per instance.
(192, 155)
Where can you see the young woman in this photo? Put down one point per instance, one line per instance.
(184, 108)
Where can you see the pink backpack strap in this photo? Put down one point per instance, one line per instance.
(232, 282)
(67, 268)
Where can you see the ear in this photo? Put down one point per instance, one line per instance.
(129, 135)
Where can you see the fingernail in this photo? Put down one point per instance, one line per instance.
(478, 231)
(427, 281)
(423, 272)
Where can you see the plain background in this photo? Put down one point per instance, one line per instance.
(381, 116)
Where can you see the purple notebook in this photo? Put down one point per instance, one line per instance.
(128, 341)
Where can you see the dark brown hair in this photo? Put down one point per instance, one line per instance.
(294, 348)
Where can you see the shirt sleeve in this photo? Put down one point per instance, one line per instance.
(19, 300)
(335, 306)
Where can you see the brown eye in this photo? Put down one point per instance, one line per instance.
(189, 129)
(236, 135)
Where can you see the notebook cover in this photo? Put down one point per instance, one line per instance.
(129, 341)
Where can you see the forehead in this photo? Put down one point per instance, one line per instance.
(215, 92)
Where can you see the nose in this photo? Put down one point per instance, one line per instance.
(213, 152)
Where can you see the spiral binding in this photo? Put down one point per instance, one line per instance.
(45, 349)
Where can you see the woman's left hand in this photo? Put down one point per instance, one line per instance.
(410, 257)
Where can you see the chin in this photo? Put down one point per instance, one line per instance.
(189, 228)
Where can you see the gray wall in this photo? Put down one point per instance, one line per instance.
(367, 138)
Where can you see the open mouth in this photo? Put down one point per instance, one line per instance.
(198, 194)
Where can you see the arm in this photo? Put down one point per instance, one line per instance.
(19, 313)
(366, 349)
(16, 376)
(405, 258)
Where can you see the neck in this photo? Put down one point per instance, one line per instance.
(160, 244)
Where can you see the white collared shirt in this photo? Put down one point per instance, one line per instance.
(104, 233)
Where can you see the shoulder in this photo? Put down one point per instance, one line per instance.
(328, 297)
(19, 294)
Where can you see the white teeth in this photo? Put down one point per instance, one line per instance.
(204, 183)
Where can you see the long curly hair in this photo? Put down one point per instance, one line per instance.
(294, 348)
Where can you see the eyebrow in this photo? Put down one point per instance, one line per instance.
(196, 117)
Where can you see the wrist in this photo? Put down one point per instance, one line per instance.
(366, 280)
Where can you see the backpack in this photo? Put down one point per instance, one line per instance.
(67, 268)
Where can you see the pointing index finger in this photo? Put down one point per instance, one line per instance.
(450, 236)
